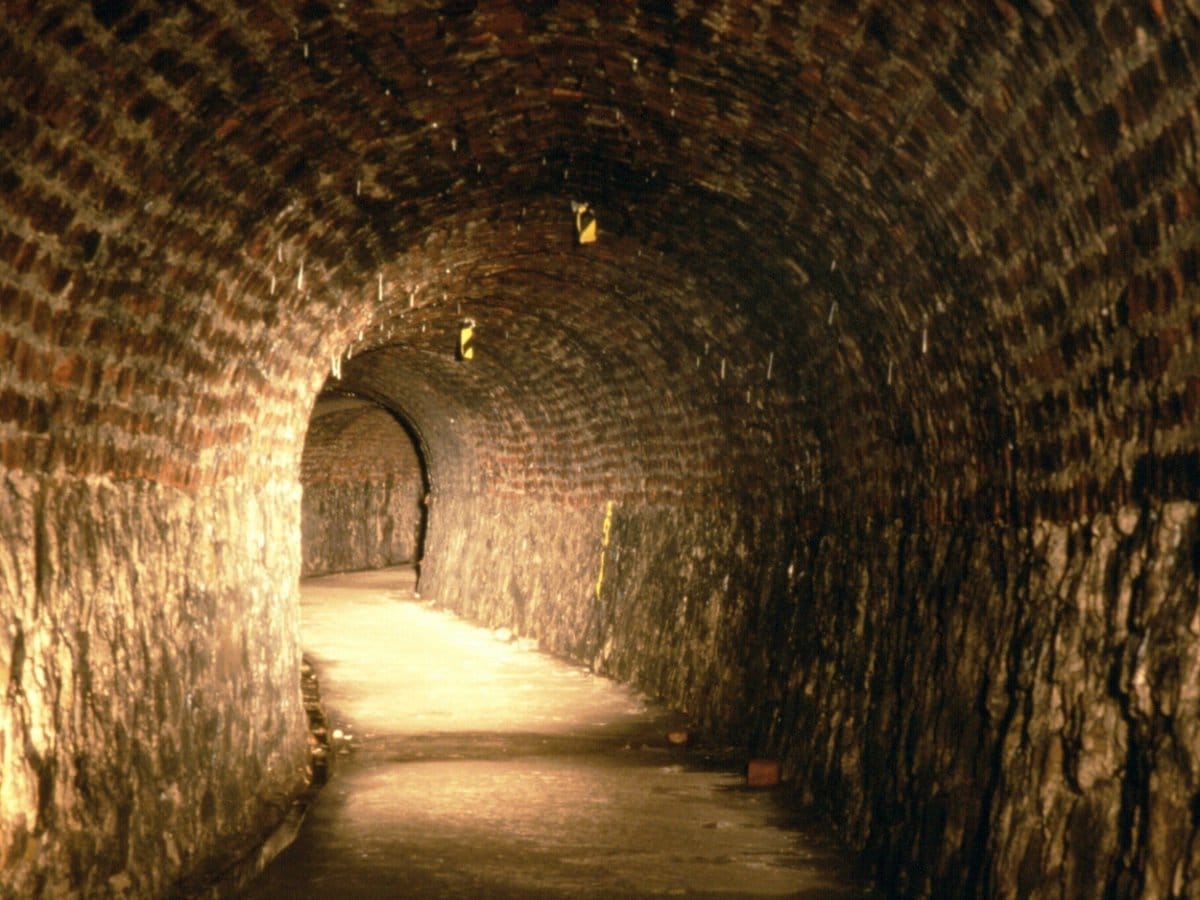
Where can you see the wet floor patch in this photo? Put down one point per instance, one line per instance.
(473, 766)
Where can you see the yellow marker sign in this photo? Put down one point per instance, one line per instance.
(585, 223)
(466, 337)
(607, 533)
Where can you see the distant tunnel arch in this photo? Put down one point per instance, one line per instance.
(366, 486)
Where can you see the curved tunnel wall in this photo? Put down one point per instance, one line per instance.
(882, 373)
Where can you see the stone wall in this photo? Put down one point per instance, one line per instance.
(1000, 711)
(152, 727)
(367, 525)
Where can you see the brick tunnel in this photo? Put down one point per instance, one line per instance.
(865, 431)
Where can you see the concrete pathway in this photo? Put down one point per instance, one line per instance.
(474, 766)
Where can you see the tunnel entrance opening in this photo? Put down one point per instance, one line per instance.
(366, 488)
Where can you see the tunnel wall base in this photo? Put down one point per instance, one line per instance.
(351, 525)
(669, 604)
(1002, 712)
(149, 652)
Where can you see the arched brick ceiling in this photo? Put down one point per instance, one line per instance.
(912, 215)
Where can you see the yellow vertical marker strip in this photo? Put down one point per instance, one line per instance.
(466, 346)
(604, 545)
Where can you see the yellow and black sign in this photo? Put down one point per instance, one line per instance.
(466, 339)
(585, 222)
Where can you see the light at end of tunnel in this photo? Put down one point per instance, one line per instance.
(466, 340)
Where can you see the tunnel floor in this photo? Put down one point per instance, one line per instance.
(472, 765)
